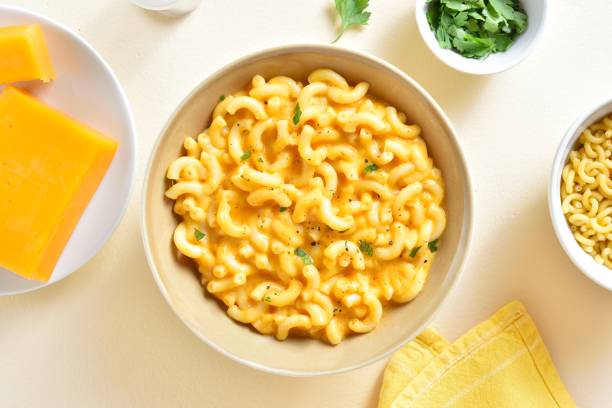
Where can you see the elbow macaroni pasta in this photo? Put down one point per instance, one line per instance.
(586, 191)
(309, 224)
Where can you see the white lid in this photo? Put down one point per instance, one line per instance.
(155, 4)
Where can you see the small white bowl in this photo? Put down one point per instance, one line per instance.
(86, 89)
(536, 11)
(599, 274)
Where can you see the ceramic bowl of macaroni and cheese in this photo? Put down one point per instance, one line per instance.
(580, 194)
(307, 209)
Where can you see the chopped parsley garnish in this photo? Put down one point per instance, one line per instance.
(246, 155)
(476, 28)
(268, 299)
(297, 114)
(414, 251)
(352, 13)
(370, 168)
(221, 98)
(198, 234)
(306, 259)
(433, 245)
(260, 159)
(366, 247)
(282, 209)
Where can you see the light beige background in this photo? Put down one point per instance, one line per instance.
(105, 337)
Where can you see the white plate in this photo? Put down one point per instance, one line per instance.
(86, 89)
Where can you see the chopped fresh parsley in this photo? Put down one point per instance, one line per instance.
(260, 159)
(246, 155)
(352, 13)
(297, 114)
(282, 209)
(306, 259)
(370, 168)
(414, 251)
(366, 247)
(221, 98)
(268, 299)
(198, 234)
(476, 28)
(433, 245)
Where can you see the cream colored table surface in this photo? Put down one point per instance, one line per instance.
(105, 336)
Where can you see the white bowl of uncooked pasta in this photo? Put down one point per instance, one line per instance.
(580, 193)
(294, 204)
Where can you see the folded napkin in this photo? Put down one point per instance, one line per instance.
(502, 362)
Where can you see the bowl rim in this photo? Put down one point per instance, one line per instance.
(467, 226)
(425, 32)
(132, 135)
(584, 262)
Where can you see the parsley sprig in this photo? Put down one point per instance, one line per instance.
(198, 235)
(370, 168)
(433, 245)
(352, 13)
(306, 259)
(246, 155)
(297, 114)
(366, 247)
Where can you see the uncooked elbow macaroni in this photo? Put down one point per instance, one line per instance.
(586, 191)
(310, 219)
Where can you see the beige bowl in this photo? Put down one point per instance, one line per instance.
(178, 281)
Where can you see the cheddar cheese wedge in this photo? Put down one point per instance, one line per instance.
(24, 55)
(50, 167)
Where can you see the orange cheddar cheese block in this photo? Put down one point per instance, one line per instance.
(50, 167)
(24, 55)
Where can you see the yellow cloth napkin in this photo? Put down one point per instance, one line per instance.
(502, 362)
